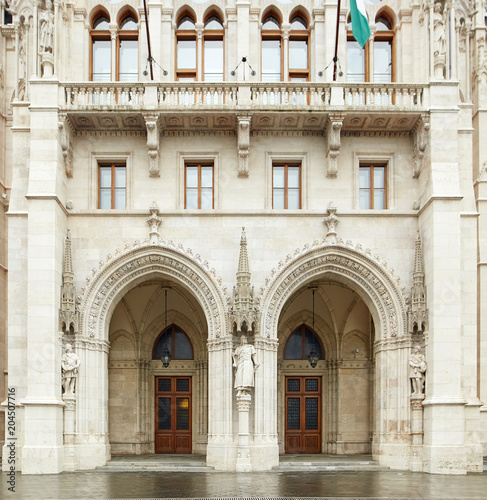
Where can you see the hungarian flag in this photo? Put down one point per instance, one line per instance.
(360, 25)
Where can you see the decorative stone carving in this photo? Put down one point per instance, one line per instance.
(46, 40)
(419, 136)
(417, 369)
(417, 312)
(69, 313)
(70, 364)
(333, 130)
(66, 131)
(154, 221)
(331, 222)
(439, 40)
(243, 312)
(243, 145)
(245, 365)
(151, 122)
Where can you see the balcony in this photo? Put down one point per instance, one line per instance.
(271, 105)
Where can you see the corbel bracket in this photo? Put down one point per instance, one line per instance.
(243, 132)
(420, 141)
(333, 130)
(151, 123)
(66, 132)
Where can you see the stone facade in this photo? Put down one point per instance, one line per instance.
(365, 286)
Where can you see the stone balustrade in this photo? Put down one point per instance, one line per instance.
(249, 95)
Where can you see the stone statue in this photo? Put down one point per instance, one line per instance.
(438, 30)
(417, 369)
(46, 29)
(245, 365)
(69, 364)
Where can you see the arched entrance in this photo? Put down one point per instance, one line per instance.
(374, 322)
(124, 311)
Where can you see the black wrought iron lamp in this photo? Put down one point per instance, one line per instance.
(313, 356)
(166, 355)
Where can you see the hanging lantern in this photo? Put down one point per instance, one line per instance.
(165, 357)
(313, 356)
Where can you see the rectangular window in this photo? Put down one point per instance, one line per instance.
(271, 60)
(101, 63)
(356, 64)
(128, 60)
(112, 185)
(383, 61)
(213, 60)
(286, 186)
(372, 186)
(198, 186)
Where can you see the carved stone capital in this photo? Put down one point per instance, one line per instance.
(243, 131)
(333, 143)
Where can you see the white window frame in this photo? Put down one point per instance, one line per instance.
(271, 159)
(96, 159)
(183, 159)
(388, 159)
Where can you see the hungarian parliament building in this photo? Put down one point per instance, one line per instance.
(232, 230)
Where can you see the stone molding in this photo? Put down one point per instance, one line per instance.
(135, 263)
(346, 261)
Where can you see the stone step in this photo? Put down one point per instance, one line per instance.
(154, 468)
(328, 467)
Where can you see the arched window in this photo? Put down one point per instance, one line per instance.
(175, 341)
(383, 50)
(357, 58)
(128, 50)
(213, 53)
(186, 49)
(271, 49)
(300, 342)
(299, 50)
(101, 50)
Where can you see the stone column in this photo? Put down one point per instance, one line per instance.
(199, 53)
(243, 451)
(416, 463)
(69, 431)
(285, 53)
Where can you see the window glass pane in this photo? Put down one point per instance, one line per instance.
(164, 414)
(101, 24)
(192, 176)
(382, 61)
(164, 385)
(129, 23)
(293, 384)
(294, 346)
(207, 177)
(355, 62)
(120, 198)
(364, 198)
(379, 178)
(101, 60)
(311, 385)
(311, 414)
(309, 342)
(182, 346)
(206, 198)
(182, 384)
(129, 50)
(186, 23)
(105, 177)
(293, 177)
(165, 341)
(182, 413)
(379, 199)
(278, 177)
(271, 60)
(105, 198)
(298, 23)
(186, 54)
(293, 415)
(271, 23)
(298, 54)
(364, 181)
(278, 198)
(293, 199)
(213, 23)
(192, 198)
(120, 177)
(382, 24)
(213, 60)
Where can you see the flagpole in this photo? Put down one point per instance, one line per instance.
(148, 40)
(335, 58)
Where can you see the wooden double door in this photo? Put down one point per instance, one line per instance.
(303, 414)
(173, 415)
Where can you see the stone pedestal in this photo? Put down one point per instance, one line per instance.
(69, 431)
(417, 432)
(244, 463)
(47, 64)
(440, 64)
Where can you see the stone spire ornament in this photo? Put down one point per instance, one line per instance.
(331, 222)
(417, 312)
(154, 222)
(243, 311)
(69, 314)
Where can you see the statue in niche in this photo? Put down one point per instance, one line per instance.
(46, 29)
(438, 30)
(70, 365)
(245, 365)
(417, 369)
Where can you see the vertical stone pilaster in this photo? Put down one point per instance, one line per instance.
(244, 463)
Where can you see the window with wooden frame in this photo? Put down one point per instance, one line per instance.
(286, 186)
(101, 49)
(213, 51)
(300, 343)
(198, 185)
(373, 185)
(384, 59)
(271, 60)
(299, 50)
(186, 52)
(112, 185)
(357, 58)
(128, 49)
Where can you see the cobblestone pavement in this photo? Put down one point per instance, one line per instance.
(356, 485)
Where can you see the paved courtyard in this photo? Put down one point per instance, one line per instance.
(356, 485)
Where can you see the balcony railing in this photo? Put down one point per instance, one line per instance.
(243, 95)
